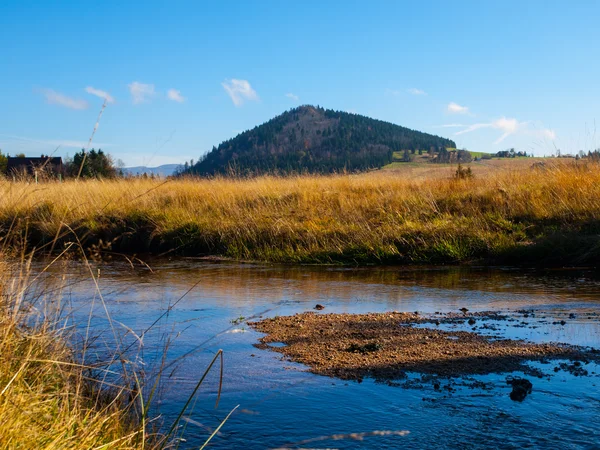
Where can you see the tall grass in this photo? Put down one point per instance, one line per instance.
(53, 395)
(378, 217)
(48, 396)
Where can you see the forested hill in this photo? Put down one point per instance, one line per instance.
(313, 139)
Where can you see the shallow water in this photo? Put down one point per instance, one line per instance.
(282, 405)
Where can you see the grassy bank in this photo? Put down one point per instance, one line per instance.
(548, 216)
(48, 398)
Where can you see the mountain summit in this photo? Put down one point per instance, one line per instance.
(313, 139)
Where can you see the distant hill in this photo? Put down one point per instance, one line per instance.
(163, 171)
(313, 139)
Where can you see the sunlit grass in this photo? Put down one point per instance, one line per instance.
(377, 217)
(48, 398)
(53, 395)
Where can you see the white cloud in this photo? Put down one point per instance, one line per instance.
(140, 92)
(292, 96)
(548, 134)
(509, 126)
(99, 93)
(415, 91)
(239, 91)
(453, 125)
(56, 98)
(175, 95)
(455, 108)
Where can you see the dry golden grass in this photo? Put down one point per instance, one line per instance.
(504, 214)
(420, 169)
(48, 400)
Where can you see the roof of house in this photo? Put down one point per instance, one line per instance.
(14, 162)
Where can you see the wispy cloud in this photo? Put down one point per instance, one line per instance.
(393, 92)
(415, 91)
(239, 91)
(63, 143)
(140, 92)
(509, 126)
(548, 133)
(100, 93)
(292, 96)
(56, 98)
(455, 108)
(175, 95)
(453, 125)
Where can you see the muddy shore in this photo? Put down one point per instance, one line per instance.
(386, 346)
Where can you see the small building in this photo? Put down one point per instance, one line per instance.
(47, 166)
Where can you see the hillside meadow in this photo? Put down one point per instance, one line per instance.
(509, 213)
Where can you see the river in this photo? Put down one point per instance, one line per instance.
(202, 307)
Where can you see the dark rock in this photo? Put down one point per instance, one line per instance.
(367, 348)
(464, 310)
(471, 321)
(574, 369)
(572, 316)
(319, 307)
(520, 388)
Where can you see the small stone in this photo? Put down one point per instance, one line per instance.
(319, 307)
(471, 321)
(464, 310)
(520, 388)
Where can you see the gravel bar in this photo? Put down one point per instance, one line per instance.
(385, 346)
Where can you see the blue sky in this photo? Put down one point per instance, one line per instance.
(184, 76)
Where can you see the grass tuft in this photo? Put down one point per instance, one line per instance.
(49, 399)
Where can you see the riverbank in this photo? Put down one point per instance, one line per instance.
(387, 346)
(543, 216)
(49, 398)
(281, 403)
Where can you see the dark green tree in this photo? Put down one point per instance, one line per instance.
(3, 162)
(94, 164)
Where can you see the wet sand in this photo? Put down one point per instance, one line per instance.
(386, 346)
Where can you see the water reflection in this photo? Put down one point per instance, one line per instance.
(282, 404)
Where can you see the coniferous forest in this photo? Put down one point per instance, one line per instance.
(312, 139)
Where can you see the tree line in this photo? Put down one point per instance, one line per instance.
(91, 164)
(313, 139)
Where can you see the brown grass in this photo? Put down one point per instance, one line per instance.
(506, 214)
(48, 397)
